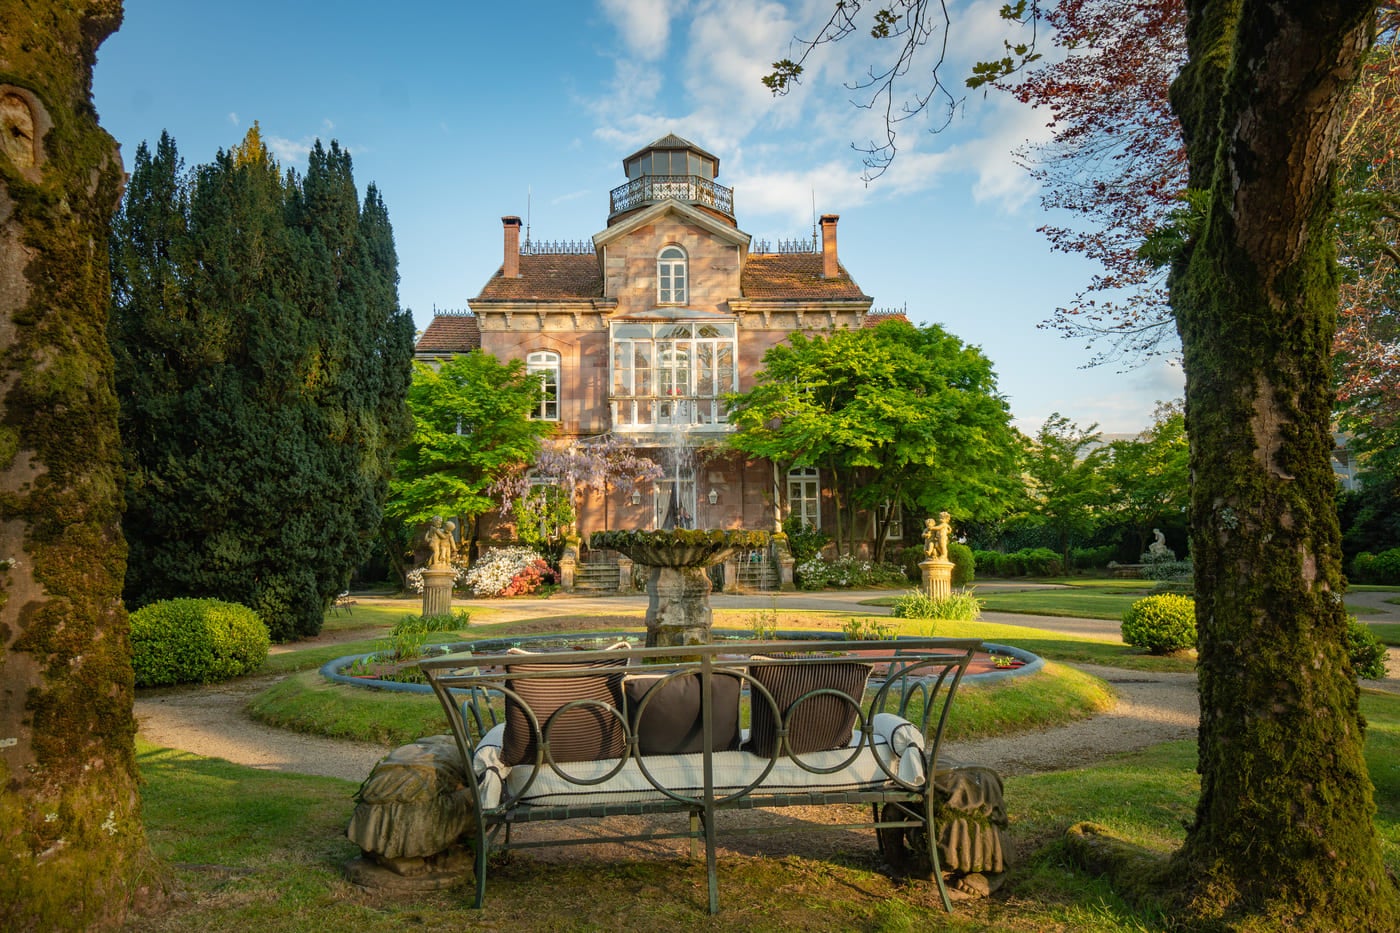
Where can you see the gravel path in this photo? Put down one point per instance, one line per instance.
(1152, 707)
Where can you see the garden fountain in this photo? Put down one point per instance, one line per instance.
(678, 581)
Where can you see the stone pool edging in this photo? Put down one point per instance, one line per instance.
(331, 670)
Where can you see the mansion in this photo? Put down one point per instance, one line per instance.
(642, 331)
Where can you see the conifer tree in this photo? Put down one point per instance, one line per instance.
(262, 392)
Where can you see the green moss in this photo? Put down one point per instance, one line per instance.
(71, 843)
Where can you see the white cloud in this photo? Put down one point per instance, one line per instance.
(233, 118)
(644, 25)
(289, 152)
(777, 151)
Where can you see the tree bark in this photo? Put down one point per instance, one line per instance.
(72, 846)
(1283, 828)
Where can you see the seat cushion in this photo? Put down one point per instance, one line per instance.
(671, 723)
(587, 732)
(814, 724)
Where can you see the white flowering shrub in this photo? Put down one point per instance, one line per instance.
(846, 572)
(508, 571)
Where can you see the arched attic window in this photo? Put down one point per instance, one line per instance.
(671, 276)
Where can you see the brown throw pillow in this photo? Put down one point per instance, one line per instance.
(583, 733)
(818, 723)
(671, 724)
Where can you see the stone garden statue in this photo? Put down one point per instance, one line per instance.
(1158, 551)
(936, 537)
(440, 539)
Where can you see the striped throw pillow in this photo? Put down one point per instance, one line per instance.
(583, 733)
(815, 724)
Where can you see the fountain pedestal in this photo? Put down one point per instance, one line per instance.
(678, 606)
(678, 583)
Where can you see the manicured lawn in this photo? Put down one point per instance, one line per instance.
(257, 850)
(1087, 601)
(1388, 632)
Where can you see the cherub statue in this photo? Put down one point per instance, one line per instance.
(440, 539)
(936, 536)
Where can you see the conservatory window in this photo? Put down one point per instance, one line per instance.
(673, 373)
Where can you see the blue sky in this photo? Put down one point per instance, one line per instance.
(462, 113)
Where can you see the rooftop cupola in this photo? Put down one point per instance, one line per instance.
(673, 169)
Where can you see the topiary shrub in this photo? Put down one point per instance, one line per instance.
(1366, 649)
(1161, 623)
(195, 641)
(964, 564)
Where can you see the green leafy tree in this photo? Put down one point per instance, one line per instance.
(1065, 486)
(1149, 478)
(471, 429)
(894, 414)
(261, 361)
(72, 847)
(1283, 834)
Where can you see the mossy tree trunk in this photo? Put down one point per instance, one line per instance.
(71, 838)
(1283, 828)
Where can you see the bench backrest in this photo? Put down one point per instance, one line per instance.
(797, 698)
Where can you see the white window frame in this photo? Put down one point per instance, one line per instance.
(804, 491)
(546, 365)
(672, 276)
(896, 529)
(672, 373)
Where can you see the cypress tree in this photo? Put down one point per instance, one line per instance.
(257, 469)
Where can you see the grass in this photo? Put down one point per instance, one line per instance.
(1082, 602)
(306, 702)
(251, 849)
(1388, 632)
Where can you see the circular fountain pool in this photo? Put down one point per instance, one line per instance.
(995, 662)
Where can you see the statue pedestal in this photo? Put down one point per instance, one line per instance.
(937, 577)
(437, 591)
(678, 607)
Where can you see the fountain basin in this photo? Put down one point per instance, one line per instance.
(982, 670)
(679, 547)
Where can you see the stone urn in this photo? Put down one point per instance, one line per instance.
(678, 581)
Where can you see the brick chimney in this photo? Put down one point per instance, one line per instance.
(510, 268)
(830, 270)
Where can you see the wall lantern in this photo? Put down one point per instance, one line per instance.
(636, 497)
(714, 496)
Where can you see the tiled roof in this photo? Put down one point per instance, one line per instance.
(450, 333)
(547, 277)
(779, 276)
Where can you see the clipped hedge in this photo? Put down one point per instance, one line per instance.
(1027, 562)
(195, 641)
(1162, 623)
(1382, 568)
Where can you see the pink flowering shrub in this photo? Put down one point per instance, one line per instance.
(510, 571)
